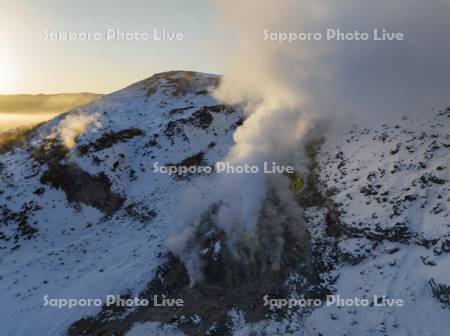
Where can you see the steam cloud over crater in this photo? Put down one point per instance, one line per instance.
(288, 88)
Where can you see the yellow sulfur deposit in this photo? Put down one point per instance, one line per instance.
(297, 182)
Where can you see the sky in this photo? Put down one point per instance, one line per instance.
(30, 63)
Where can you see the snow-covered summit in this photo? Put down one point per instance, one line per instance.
(82, 214)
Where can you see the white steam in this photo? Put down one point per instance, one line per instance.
(74, 125)
(289, 87)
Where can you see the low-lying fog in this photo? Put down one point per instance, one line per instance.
(12, 120)
(27, 110)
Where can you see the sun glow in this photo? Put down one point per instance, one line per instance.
(6, 71)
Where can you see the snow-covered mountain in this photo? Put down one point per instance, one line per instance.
(389, 184)
(84, 215)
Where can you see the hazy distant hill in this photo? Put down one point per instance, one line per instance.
(26, 103)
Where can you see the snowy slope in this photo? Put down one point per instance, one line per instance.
(390, 182)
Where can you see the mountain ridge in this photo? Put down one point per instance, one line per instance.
(84, 216)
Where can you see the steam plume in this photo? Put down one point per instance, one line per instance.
(289, 87)
(72, 126)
